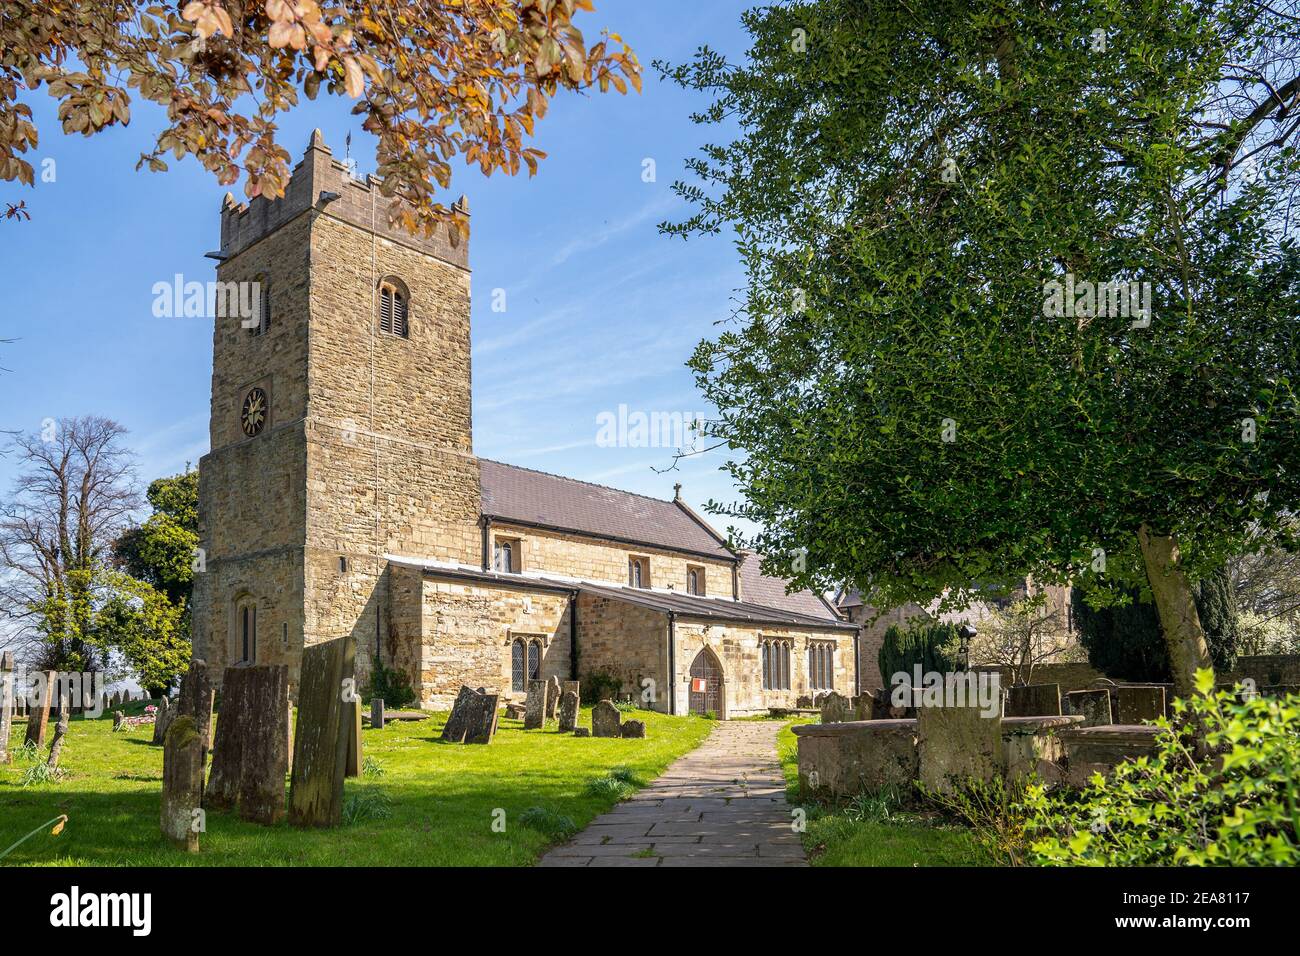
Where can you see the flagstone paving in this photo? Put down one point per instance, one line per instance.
(723, 804)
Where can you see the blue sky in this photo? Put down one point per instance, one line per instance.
(602, 310)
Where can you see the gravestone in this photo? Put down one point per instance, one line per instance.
(1034, 700)
(163, 719)
(196, 702)
(38, 715)
(552, 698)
(1093, 705)
(377, 713)
(182, 788)
(249, 755)
(119, 719)
(320, 747)
(60, 730)
(835, 708)
(354, 737)
(1140, 703)
(632, 728)
(570, 685)
(605, 720)
(481, 721)
(803, 703)
(8, 698)
(454, 729)
(535, 704)
(568, 711)
(582, 731)
(956, 744)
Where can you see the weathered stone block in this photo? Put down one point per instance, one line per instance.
(481, 721)
(249, 752)
(835, 708)
(320, 747)
(632, 728)
(1090, 750)
(182, 788)
(1034, 700)
(1032, 745)
(377, 713)
(582, 731)
(535, 705)
(605, 720)
(1138, 704)
(568, 711)
(454, 729)
(956, 744)
(845, 759)
(552, 698)
(38, 715)
(1092, 705)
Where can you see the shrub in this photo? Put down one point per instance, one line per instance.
(367, 805)
(370, 767)
(995, 810)
(1229, 802)
(390, 685)
(598, 686)
(618, 784)
(934, 646)
(544, 820)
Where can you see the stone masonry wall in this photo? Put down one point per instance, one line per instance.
(625, 641)
(595, 560)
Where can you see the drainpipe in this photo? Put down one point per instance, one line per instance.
(672, 663)
(487, 527)
(573, 635)
(857, 662)
(735, 581)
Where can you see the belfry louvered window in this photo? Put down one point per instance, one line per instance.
(394, 315)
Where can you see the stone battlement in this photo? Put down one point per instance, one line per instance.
(359, 203)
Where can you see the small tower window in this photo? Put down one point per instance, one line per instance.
(394, 317)
(263, 301)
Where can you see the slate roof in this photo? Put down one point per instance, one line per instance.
(757, 588)
(532, 497)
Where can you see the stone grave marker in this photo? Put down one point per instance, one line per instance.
(605, 720)
(552, 698)
(354, 737)
(582, 731)
(162, 720)
(182, 788)
(835, 708)
(249, 752)
(481, 721)
(1093, 705)
(454, 729)
(568, 711)
(536, 704)
(60, 729)
(1034, 700)
(1139, 703)
(377, 713)
(119, 719)
(196, 702)
(38, 715)
(8, 698)
(320, 747)
(956, 744)
(632, 728)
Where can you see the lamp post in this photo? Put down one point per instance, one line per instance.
(965, 634)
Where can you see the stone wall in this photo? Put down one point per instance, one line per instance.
(625, 641)
(595, 560)
(1266, 669)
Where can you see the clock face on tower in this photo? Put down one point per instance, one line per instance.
(253, 415)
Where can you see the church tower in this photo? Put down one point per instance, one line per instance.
(340, 422)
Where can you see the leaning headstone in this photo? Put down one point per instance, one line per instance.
(377, 713)
(535, 704)
(454, 729)
(835, 708)
(552, 697)
(1093, 705)
(249, 756)
(320, 747)
(182, 787)
(38, 715)
(605, 720)
(163, 719)
(568, 712)
(1034, 700)
(957, 744)
(8, 697)
(1138, 704)
(353, 708)
(481, 722)
(632, 728)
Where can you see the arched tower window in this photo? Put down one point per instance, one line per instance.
(394, 307)
(517, 653)
(534, 660)
(244, 632)
(261, 320)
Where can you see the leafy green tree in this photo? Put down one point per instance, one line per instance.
(936, 375)
(1125, 641)
(935, 646)
(148, 629)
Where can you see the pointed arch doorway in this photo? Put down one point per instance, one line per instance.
(707, 684)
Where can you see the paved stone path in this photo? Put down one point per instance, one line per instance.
(723, 804)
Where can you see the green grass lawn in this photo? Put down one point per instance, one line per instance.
(868, 832)
(442, 798)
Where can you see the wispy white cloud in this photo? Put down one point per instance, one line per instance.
(650, 211)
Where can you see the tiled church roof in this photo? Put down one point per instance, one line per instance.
(532, 497)
(757, 588)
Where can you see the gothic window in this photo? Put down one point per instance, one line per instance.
(767, 665)
(776, 665)
(506, 553)
(394, 315)
(245, 628)
(638, 572)
(695, 580)
(534, 660)
(517, 654)
(821, 666)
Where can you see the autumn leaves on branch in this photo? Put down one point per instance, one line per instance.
(433, 80)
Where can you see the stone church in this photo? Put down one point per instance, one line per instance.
(342, 497)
